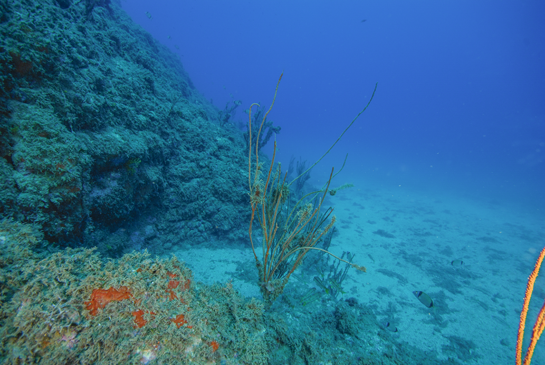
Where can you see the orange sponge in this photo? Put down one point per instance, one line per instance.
(101, 297)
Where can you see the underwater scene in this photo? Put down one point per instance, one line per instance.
(288, 182)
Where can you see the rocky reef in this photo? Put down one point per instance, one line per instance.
(104, 140)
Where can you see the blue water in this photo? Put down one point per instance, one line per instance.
(459, 113)
(460, 102)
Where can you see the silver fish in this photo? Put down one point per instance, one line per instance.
(389, 326)
(423, 298)
(456, 263)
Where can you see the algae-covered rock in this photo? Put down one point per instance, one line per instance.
(74, 307)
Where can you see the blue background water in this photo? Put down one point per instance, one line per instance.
(460, 105)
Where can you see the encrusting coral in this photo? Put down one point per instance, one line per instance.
(101, 297)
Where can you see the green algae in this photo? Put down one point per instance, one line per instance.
(46, 317)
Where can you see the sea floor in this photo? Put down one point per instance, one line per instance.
(471, 257)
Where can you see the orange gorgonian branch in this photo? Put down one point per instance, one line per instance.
(540, 321)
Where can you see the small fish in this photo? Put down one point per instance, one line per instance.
(148, 14)
(456, 263)
(423, 298)
(389, 326)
